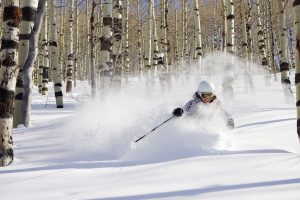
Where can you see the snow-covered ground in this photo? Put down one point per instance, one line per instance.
(87, 150)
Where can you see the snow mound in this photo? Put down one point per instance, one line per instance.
(107, 130)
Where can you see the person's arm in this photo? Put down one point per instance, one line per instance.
(178, 112)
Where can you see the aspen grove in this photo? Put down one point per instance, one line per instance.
(108, 43)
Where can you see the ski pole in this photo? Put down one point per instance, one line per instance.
(155, 128)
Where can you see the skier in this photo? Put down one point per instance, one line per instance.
(202, 99)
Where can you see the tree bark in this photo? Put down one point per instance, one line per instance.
(45, 55)
(28, 8)
(198, 36)
(92, 53)
(284, 63)
(296, 8)
(106, 45)
(28, 66)
(55, 65)
(8, 77)
(70, 62)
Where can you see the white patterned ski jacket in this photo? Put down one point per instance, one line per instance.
(197, 108)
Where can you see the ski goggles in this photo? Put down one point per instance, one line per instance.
(206, 95)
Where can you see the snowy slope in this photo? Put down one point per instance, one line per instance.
(86, 150)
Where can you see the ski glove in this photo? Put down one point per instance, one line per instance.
(178, 112)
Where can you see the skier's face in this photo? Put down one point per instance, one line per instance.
(206, 97)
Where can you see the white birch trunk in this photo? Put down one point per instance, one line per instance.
(156, 59)
(244, 32)
(198, 36)
(228, 79)
(86, 39)
(261, 40)
(99, 33)
(176, 50)
(186, 49)
(106, 45)
(8, 77)
(224, 25)
(28, 8)
(296, 8)
(230, 27)
(166, 38)
(117, 44)
(40, 64)
(139, 43)
(126, 51)
(148, 47)
(183, 4)
(92, 53)
(148, 71)
(45, 53)
(75, 74)
(54, 57)
(61, 40)
(29, 64)
(70, 61)
(271, 42)
(249, 86)
(284, 63)
(249, 30)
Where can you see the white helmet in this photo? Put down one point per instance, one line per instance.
(206, 87)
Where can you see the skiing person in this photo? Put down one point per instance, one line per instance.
(202, 99)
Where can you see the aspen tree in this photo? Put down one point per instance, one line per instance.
(229, 76)
(92, 54)
(54, 57)
(244, 32)
(224, 12)
(261, 39)
(271, 40)
(117, 44)
(70, 62)
(8, 77)
(29, 64)
(28, 8)
(184, 45)
(186, 49)
(176, 46)
(157, 58)
(65, 36)
(45, 75)
(245, 42)
(284, 65)
(126, 51)
(296, 8)
(215, 37)
(148, 70)
(230, 27)
(75, 74)
(41, 61)
(86, 40)
(99, 33)
(162, 56)
(183, 12)
(148, 47)
(291, 49)
(61, 38)
(139, 42)
(167, 60)
(198, 36)
(249, 30)
(106, 45)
